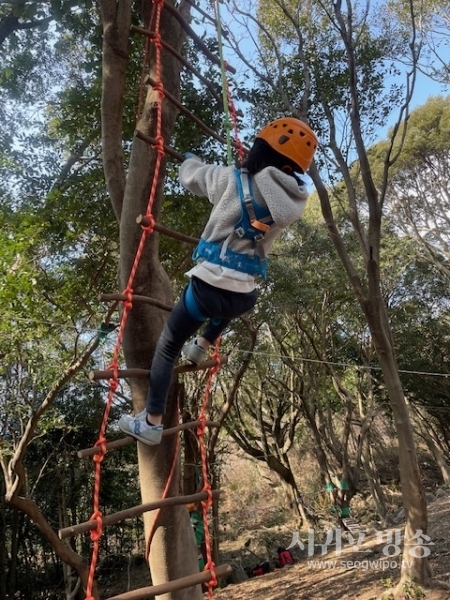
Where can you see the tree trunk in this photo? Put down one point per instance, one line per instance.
(414, 568)
(15, 534)
(373, 479)
(437, 453)
(25, 506)
(172, 549)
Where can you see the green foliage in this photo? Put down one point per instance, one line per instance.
(417, 194)
(412, 591)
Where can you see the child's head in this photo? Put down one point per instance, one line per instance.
(287, 144)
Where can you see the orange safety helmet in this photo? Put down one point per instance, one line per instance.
(291, 138)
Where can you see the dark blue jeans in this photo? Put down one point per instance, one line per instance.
(218, 306)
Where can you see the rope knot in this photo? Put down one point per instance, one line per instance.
(150, 220)
(97, 532)
(201, 429)
(211, 567)
(99, 456)
(114, 381)
(159, 87)
(216, 357)
(159, 146)
(209, 500)
(156, 39)
(128, 303)
(113, 385)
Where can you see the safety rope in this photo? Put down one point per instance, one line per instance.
(225, 95)
(127, 306)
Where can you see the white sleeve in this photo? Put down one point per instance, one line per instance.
(200, 178)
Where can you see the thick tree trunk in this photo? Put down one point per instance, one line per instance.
(414, 568)
(172, 549)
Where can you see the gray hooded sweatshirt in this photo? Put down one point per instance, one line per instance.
(279, 192)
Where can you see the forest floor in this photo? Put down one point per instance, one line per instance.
(346, 574)
(351, 577)
(355, 575)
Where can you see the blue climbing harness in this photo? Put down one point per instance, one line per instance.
(255, 221)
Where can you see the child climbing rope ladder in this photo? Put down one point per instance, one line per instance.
(251, 208)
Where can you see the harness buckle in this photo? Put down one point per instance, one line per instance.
(261, 226)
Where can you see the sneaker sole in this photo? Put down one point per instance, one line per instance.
(140, 438)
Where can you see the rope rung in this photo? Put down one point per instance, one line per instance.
(128, 440)
(197, 39)
(176, 584)
(184, 62)
(142, 373)
(191, 116)
(135, 298)
(145, 221)
(136, 511)
(154, 142)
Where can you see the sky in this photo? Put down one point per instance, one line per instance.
(424, 87)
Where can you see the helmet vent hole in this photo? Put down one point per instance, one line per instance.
(302, 134)
(283, 139)
(308, 143)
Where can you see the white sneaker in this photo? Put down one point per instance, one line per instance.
(194, 352)
(138, 427)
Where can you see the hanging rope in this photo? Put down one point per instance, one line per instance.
(225, 95)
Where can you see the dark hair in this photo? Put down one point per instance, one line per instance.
(262, 155)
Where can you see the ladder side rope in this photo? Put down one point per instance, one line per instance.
(127, 305)
(207, 504)
(201, 431)
(149, 218)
